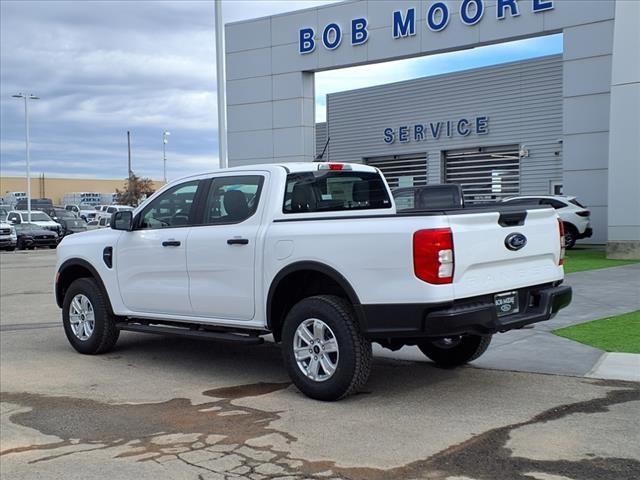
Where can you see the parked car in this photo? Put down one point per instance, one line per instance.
(111, 209)
(315, 255)
(39, 218)
(576, 218)
(446, 195)
(31, 235)
(36, 204)
(84, 211)
(93, 224)
(69, 221)
(12, 198)
(8, 237)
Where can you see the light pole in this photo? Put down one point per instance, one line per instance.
(221, 87)
(165, 140)
(26, 136)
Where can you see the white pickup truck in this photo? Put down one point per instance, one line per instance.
(316, 255)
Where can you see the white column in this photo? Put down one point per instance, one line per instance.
(624, 135)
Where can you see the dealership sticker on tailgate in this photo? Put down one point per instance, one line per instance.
(506, 303)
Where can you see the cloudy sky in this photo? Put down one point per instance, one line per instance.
(102, 68)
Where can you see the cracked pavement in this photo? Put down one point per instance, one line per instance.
(160, 408)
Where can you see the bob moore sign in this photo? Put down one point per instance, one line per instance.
(420, 132)
(437, 18)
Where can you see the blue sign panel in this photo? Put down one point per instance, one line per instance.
(404, 22)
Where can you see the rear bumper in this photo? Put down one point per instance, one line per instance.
(587, 233)
(475, 315)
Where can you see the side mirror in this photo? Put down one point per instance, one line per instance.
(122, 220)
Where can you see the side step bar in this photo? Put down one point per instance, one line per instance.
(188, 333)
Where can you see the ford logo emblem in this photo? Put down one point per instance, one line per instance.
(515, 241)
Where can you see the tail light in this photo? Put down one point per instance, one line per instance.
(334, 166)
(583, 213)
(562, 249)
(433, 260)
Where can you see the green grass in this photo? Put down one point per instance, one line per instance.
(613, 334)
(578, 260)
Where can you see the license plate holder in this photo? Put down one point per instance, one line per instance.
(507, 303)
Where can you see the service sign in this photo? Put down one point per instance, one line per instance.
(420, 132)
(403, 22)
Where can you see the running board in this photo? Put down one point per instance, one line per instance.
(188, 333)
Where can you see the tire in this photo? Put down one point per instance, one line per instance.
(570, 236)
(10, 249)
(351, 359)
(104, 334)
(455, 351)
(52, 246)
(20, 245)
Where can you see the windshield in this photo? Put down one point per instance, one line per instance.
(29, 227)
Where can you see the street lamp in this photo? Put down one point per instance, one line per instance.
(165, 140)
(26, 135)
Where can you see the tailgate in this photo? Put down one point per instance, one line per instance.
(484, 263)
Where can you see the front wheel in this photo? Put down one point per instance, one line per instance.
(325, 353)
(88, 324)
(455, 351)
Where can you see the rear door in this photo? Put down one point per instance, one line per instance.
(151, 261)
(221, 253)
(489, 259)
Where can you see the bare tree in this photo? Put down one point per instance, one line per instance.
(135, 190)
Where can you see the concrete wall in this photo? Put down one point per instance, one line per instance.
(55, 188)
(624, 145)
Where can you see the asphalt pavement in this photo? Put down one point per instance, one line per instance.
(171, 408)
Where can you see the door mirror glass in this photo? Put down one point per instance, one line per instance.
(122, 220)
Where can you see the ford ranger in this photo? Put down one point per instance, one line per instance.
(315, 255)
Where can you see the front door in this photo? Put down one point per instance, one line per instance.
(221, 253)
(151, 260)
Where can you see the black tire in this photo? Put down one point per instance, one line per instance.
(52, 246)
(105, 334)
(10, 249)
(20, 245)
(570, 236)
(355, 354)
(455, 351)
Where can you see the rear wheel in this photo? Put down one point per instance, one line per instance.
(455, 351)
(88, 324)
(570, 235)
(326, 355)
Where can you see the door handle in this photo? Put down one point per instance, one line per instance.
(238, 241)
(171, 243)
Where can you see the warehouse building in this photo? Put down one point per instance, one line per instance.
(568, 123)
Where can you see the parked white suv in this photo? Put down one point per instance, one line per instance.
(575, 216)
(317, 256)
(37, 218)
(8, 237)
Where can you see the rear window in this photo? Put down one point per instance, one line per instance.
(334, 191)
(576, 202)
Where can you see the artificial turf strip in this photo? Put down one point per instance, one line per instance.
(577, 260)
(613, 334)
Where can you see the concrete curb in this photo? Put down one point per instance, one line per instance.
(617, 366)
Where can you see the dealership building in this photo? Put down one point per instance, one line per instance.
(565, 123)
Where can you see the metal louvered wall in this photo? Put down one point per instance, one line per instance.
(486, 174)
(402, 170)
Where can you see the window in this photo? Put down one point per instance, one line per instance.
(14, 217)
(232, 199)
(576, 202)
(171, 209)
(332, 191)
(112, 210)
(553, 203)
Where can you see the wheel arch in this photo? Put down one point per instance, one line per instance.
(308, 278)
(73, 269)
